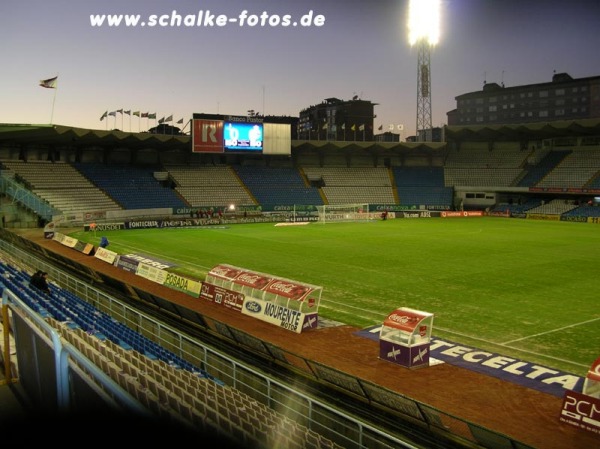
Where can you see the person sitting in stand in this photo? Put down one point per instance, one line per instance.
(42, 282)
(34, 280)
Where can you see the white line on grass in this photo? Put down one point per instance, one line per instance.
(552, 331)
(489, 342)
(470, 337)
(506, 345)
(134, 249)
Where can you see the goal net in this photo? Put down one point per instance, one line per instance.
(344, 212)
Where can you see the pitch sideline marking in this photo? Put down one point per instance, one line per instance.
(551, 331)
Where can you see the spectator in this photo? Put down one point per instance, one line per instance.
(42, 282)
(34, 280)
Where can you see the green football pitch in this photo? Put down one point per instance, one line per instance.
(524, 288)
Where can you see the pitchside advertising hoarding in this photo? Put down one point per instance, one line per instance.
(214, 133)
(582, 410)
(291, 305)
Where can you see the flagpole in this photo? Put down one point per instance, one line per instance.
(54, 101)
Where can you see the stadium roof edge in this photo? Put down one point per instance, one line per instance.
(23, 133)
(525, 131)
(68, 135)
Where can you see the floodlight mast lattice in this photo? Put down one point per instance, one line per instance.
(423, 24)
(424, 122)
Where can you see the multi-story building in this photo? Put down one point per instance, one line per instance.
(564, 98)
(335, 119)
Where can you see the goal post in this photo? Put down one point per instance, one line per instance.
(329, 213)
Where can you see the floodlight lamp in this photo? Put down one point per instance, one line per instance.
(423, 21)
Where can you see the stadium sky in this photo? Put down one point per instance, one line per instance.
(361, 49)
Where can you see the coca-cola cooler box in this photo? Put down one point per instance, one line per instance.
(405, 337)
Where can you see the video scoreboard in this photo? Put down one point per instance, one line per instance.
(212, 133)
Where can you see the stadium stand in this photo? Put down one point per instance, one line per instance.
(278, 186)
(61, 185)
(166, 385)
(203, 185)
(130, 186)
(574, 171)
(344, 185)
(536, 173)
(422, 186)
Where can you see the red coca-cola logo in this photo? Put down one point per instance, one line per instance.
(224, 272)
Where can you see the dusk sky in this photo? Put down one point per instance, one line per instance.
(361, 49)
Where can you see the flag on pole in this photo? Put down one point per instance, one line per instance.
(169, 118)
(144, 115)
(161, 121)
(353, 127)
(380, 127)
(113, 113)
(127, 112)
(391, 127)
(361, 127)
(136, 113)
(104, 115)
(152, 115)
(50, 83)
(344, 126)
(180, 121)
(120, 111)
(324, 125)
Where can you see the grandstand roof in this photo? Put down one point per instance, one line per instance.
(66, 135)
(58, 135)
(525, 131)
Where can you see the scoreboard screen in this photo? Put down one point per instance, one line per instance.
(242, 136)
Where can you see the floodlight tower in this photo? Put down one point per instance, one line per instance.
(423, 27)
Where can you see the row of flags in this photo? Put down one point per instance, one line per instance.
(343, 127)
(50, 83)
(362, 127)
(148, 115)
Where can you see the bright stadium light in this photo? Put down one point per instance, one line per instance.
(424, 21)
(424, 32)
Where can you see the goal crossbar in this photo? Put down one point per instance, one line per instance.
(329, 213)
